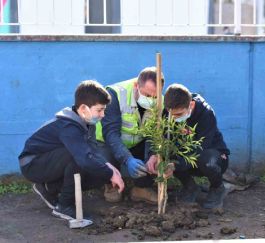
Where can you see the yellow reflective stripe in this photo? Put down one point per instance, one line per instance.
(99, 135)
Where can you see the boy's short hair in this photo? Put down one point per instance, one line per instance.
(90, 93)
(149, 73)
(177, 96)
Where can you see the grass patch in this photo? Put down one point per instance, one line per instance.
(262, 178)
(14, 187)
(14, 183)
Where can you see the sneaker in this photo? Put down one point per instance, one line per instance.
(50, 199)
(67, 212)
(189, 192)
(111, 194)
(215, 197)
(145, 194)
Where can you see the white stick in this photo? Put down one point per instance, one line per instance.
(78, 197)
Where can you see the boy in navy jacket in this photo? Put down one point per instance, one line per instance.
(213, 158)
(67, 145)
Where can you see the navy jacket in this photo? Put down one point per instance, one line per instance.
(203, 115)
(70, 131)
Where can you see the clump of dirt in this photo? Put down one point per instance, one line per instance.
(208, 235)
(143, 220)
(228, 230)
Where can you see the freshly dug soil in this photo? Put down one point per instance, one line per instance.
(144, 220)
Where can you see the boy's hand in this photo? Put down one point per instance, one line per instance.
(170, 169)
(151, 165)
(116, 178)
(113, 168)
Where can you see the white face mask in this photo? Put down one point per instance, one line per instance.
(184, 117)
(144, 101)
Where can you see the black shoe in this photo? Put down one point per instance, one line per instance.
(215, 197)
(50, 199)
(189, 192)
(67, 212)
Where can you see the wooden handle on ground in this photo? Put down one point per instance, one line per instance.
(78, 197)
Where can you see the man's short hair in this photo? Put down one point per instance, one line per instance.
(149, 73)
(177, 96)
(90, 93)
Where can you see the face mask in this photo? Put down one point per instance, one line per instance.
(93, 120)
(183, 118)
(145, 102)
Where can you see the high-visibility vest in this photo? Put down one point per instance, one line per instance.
(131, 119)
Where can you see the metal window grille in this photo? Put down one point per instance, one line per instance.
(132, 16)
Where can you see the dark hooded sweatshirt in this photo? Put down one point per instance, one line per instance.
(70, 131)
(203, 115)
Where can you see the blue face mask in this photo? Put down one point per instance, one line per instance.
(91, 121)
(183, 118)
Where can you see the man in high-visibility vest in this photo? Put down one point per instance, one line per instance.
(118, 132)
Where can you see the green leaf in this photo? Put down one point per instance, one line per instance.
(168, 138)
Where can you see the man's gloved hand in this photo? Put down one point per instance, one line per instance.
(136, 167)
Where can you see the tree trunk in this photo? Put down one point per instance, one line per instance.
(162, 197)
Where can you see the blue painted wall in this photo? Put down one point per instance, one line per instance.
(39, 78)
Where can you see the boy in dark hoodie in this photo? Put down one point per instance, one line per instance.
(213, 159)
(67, 145)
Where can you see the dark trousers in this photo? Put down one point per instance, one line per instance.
(210, 164)
(57, 169)
(139, 152)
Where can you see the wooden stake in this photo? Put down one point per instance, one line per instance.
(158, 84)
(161, 189)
